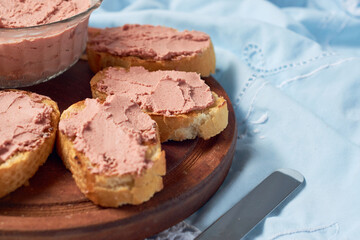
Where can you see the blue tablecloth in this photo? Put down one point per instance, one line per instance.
(292, 71)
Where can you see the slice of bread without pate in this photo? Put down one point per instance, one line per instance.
(204, 123)
(115, 47)
(22, 165)
(111, 189)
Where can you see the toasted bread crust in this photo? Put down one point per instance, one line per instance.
(115, 190)
(205, 123)
(203, 63)
(23, 165)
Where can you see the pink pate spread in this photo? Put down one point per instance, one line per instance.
(27, 13)
(111, 135)
(149, 42)
(163, 92)
(24, 123)
(31, 55)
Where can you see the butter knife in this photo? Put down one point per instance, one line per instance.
(236, 223)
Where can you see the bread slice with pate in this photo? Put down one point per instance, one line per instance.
(153, 47)
(180, 102)
(29, 122)
(113, 150)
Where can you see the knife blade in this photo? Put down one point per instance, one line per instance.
(255, 206)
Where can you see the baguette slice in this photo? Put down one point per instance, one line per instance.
(202, 62)
(204, 123)
(21, 166)
(111, 190)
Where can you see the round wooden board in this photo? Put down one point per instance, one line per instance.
(51, 206)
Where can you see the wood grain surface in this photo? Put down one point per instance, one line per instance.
(51, 206)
